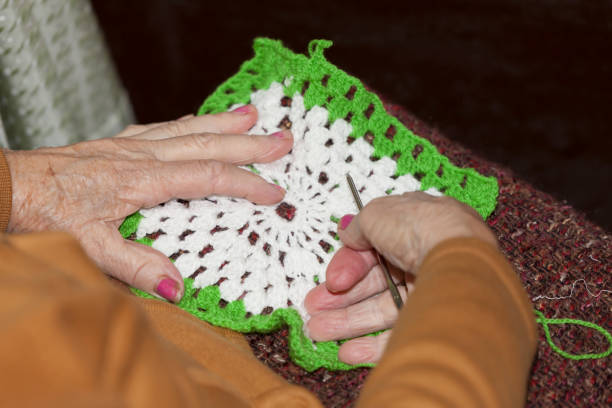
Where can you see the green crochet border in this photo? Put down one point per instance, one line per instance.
(340, 94)
(205, 306)
(344, 95)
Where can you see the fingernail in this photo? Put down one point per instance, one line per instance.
(168, 289)
(346, 220)
(279, 188)
(278, 135)
(243, 110)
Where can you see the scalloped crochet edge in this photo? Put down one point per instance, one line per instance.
(275, 63)
(204, 304)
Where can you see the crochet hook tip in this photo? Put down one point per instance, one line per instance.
(354, 191)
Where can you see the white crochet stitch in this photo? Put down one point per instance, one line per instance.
(271, 256)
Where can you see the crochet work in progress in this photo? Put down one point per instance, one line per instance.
(249, 267)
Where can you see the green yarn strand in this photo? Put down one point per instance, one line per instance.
(545, 322)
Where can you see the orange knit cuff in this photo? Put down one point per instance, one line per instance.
(6, 193)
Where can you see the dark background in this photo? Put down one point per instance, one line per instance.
(524, 83)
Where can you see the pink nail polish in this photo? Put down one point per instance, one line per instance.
(278, 135)
(346, 220)
(279, 188)
(243, 110)
(168, 289)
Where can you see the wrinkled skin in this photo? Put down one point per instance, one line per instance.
(88, 188)
(354, 299)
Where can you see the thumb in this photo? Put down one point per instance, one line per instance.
(350, 233)
(135, 264)
(382, 225)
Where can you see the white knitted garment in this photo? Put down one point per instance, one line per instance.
(57, 81)
(271, 256)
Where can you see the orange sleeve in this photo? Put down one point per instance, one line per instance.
(6, 198)
(69, 338)
(466, 336)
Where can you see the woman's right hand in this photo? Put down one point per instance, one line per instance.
(354, 299)
(88, 188)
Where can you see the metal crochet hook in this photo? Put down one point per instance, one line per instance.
(381, 260)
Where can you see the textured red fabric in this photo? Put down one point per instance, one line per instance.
(551, 245)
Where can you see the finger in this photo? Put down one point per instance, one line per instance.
(347, 267)
(376, 313)
(132, 130)
(364, 350)
(344, 281)
(235, 149)
(237, 121)
(137, 265)
(163, 181)
(321, 299)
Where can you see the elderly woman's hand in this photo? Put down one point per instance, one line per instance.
(88, 188)
(354, 299)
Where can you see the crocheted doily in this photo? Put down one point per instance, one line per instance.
(249, 267)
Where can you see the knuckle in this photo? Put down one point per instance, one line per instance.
(375, 210)
(177, 128)
(379, 312)
(131, 149)
(384, 204)
(451, 205)
(139, 272)
(373, 206)
(204, 141)
(386, 309)
(256, 149)
(215, 172)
